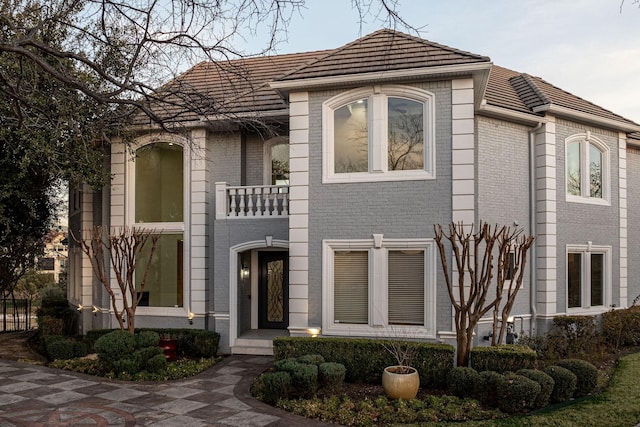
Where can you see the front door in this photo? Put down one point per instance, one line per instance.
(273, 290)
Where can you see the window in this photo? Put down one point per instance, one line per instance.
(276, 161)
(587, 169)
(378, 134)
(588, 277)
(159, 205)
(385, 289)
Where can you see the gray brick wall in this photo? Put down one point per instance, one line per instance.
(579, 223)
(633, 223)
(254, 156)
(404, 209)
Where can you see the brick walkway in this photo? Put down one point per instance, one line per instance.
(38, 396)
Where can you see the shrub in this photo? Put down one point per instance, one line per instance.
(564, 383)
(331, 376)
(502, 358)
(127, 365)
(60, 349)
(147, 339)
(304, 380)
(365, 359)
(285, 365)
(488, 390)
(312, 359)
(156, 363)
(79, 349)
(273, 386)
(463, 381)
(573, 336)
(586, 375)
(546, 385)
(621, 328)
(517, 393)
(54, 315)
(143, 355)
(114, 346)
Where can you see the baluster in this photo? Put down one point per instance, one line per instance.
(285, 201)
(251, 202)
(260, 204)
(243, 195)
(233, 202)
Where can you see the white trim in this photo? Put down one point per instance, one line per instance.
(622, 196)
(517, 116)
(378, 325)
(585, 282)
(234, 251)
(586, 140)
(377, 132)
(587, 117)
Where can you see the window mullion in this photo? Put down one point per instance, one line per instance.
(585, 171)
(378, 287)
(586, 280)
(378, 134)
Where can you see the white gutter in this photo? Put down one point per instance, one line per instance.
(619, 125)
(532, 227)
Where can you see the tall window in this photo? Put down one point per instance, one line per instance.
(276, 161)
(159, 204)
(378, 134)
(588, 277)
(374, 291)
(587, 169)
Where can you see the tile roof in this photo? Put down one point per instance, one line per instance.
(383, 50)
(241, 87)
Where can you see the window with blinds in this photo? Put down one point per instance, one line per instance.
(406, 287)
(351, 287)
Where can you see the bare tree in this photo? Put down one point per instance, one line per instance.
(474, 262)
(120, 251)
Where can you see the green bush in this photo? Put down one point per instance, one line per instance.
(586, 375)
(156, 363)
(115, 346)
(143, 355)
(502, 358)
(286, 365)
(564, 383)
(488, 391)
(463, 381)
(312, 359)
(365, 359)
(546, 385)
(331, 376)
(55, 316)
(517, 393)
(60, 349)
(79, 349)
(572, 336)
(273, 386)
(147, 339)
(125, 365)
(304, 380)
(621, 328)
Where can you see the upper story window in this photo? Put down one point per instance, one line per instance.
(382, 133)
(276, 161)
(159, 185)
(587, 169)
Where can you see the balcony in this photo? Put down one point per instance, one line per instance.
(258, 201)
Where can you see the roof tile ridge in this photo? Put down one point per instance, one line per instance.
(530, 80)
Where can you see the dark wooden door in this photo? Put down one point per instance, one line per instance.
(273, 290)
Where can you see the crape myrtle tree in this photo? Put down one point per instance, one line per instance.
(487, 270)
(74, 74)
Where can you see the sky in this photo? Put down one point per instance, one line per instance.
(590, 48)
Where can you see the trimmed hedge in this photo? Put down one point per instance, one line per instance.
(502, 358)
(546, 385)
(189, 342)
(464, 382)
(517, 393)
(564, 383)
(365, 359)
(621, 328)
(586, 374)
(60, 347)
(488, 392)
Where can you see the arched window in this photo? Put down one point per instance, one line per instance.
(159, 205)
(587, 169)
(382, 133)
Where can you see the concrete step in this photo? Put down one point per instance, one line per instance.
(260, 347)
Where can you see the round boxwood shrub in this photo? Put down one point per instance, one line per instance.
(114, 346)
(273, 386)
(517, 393)
(564, 383)
(156, 364)
(488, 390)
(304, 379)
(546, 385)
(463, 381)
(286, 365)
(331, 376)
(312, 359)
(586, 375)
(60, 349)
(147, 339)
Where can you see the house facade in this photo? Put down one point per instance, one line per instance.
(325, 227)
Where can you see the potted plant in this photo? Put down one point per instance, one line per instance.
(401, 381)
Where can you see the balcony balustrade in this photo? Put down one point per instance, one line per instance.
(256, 201)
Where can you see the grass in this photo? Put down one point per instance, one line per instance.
(616, 406)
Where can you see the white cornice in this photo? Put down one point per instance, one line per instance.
(587, 117)
(517, 116)
(379, 76)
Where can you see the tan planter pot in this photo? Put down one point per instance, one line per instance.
(399, 385)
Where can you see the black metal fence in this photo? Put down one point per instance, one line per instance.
(16, 315)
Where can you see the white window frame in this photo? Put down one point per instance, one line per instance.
(164, 227)
(378, 325)
(378, 132)
(585, 140)
(586, 251)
